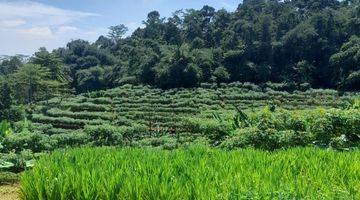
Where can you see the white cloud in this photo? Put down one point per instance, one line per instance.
(27, 41)
(12, 23)
(27, 25)
(66, 29)
(36, 31)
(40, 13)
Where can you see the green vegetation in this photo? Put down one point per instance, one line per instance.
(261, 41)
(186, 76)
(194, 173)
(229, 116)
(271, 130)
(8, 178)
(278, 78)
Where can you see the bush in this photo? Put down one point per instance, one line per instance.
(214, 130)
(31, 127)
(266, 139)
(105, 135)
(55, 112)
(166, 142)
(9, 178)
(283, 129)
(134, 131)
(87, 106)
(17, 162)
(122, 121)
(33, 141)
(337, 127)
(288, 87)
(73, 139)
(13, 114)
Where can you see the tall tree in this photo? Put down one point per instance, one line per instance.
(51, 62)
(9, 66)
(33, 83)
(172, 33)
(5, 98)
(154, 26)
(117, 32)
(265, 50)
(346, 61)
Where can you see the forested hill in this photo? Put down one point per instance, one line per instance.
(299, 42)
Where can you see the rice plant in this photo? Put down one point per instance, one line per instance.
(193, 173)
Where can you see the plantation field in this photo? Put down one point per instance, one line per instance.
(194, 173)
(165, 110)
(144, 116)
(263, 143)
(258, 99)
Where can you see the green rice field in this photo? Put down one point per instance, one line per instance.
(193, 173)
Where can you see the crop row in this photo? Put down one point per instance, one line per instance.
(65, 122)
(128, 104)
(195, 173)
(55, 112)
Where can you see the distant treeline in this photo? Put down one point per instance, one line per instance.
(308, 42)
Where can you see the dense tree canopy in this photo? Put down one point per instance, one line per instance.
(292, 42)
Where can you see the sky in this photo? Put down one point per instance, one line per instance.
(27, 25)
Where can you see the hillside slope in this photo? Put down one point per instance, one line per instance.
(165, 109)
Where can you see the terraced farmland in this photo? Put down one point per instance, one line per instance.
(167, 110)
(229, 117)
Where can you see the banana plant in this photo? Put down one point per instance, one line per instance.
(217, 117)
(240, 118)
(16, 165)
(5, 129)
(356, 103)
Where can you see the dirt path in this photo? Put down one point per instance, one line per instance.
(9, 192)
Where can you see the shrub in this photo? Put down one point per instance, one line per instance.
(166, 142)
(9, 178)
(283, 129)
(14, 113)
(335, 125)
(266, 139)
(17, 162)
(73, 139)
(122, 121)
(105, 135)
(288, 87)
(214, 130)
(34, 141)
(86, 107)
(134, 131)
(38, 127)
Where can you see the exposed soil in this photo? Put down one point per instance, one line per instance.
(9, 192)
